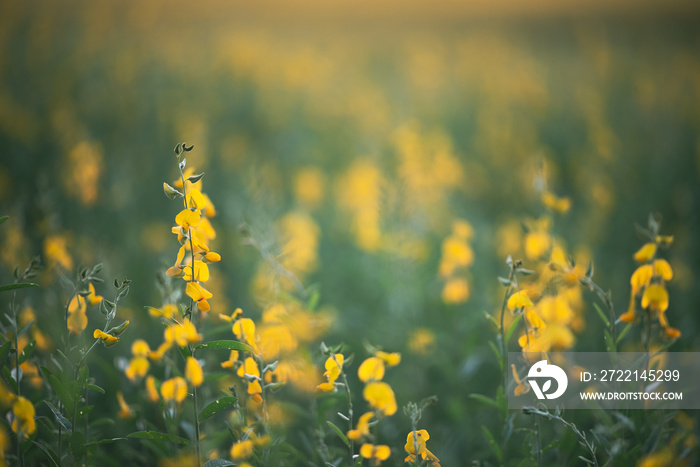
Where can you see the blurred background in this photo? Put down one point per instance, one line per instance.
(346, 138)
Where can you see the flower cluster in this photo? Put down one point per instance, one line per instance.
(457, 256)
(648, 284)
(416, 446)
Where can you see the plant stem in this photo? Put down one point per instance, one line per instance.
(349, 396)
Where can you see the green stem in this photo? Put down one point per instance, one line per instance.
(350, 413)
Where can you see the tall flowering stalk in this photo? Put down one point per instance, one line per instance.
(193, 231)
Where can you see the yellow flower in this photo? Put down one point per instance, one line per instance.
(137, 369)
(188, 218)
(174, 389)
(421, 341)
(199, 294)
(521, 388)
(518, 300)
(56, 251)
(140, 348)
(24, 417)
(641, 277)
(645, 253)
(244, 329)
(77, 319)
(362, 428)
(536, 244)
(201, 272)
(106, 338)
(251, 372)
(662, 458)
(193, 372)
(160, 352)
(381, 397)
(377, 453)
(418, 440)
(182, 334)
(560, 205)
(391, 359)
(166, 311)
(93, 299)
(456, 290)
(655, 298)
(242, 450)
(153, 395)
(333, 370)
(124, 409)
(663, 269)
(371, 369)
(232, 359)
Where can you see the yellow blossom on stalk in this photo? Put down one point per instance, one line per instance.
(193, 372)
(106, 338)
(518, 300)
(93, 299)
(521, 388)
(645, 253)
(334, 366)
(159, 353)
(124, 409)
(362, 428)
(641, 277)
(233, 358)
(77, 319)
(182, 334)
(381, 397)
(391, 359)
(417, 440)
(174, 389)
(663, 269)
(153, 395)
(242, 450)
(655, 298)
(199, 294)
(377, 453)
(23, 422)
(372, 369)
(251, 373)
(537, 240)
(188, 218)
(244, 329)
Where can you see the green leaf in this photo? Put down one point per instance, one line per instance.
(63, 393)
(77, 444)
(340, 434)
(5, 350)
(59, 417)
(95, 387)
(25, 328)
(216, 407)
(497, 352)
(185, 351)
(218, 463)
(3, 219)
(230, 345)
(27, 352)
(485, 399)
(156, 436)
(609, 343)
(195, 178)
(624, 332)
(171, 192)
(605, 319)
(512, 327)
(21, 285)
(492, 444)
(49, 453)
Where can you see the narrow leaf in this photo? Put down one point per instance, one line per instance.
(230, 345)
(512, 327)
(95, 387)
(27, 352)
(195, 178)
(485, 399)
(49, 453)
(216, 407)
(156, 436)
(59, 417)
(338, 432)
(492, 443)
(624, 332)
(604, 318)
(218, 463)
(21, 285)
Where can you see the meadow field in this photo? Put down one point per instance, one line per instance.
(278, 236)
